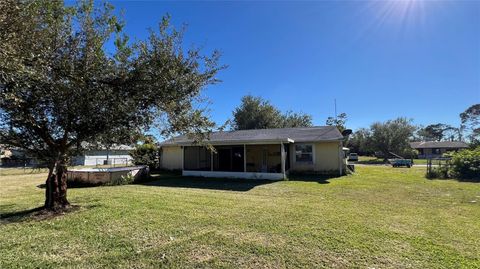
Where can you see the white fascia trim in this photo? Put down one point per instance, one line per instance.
(247, 175)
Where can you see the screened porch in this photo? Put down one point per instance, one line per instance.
(268, 161)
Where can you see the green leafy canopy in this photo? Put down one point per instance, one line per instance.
(339, 121)
(59, 86)
(257, 113)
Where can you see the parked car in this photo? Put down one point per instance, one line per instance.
(400, 162)
(353, 157)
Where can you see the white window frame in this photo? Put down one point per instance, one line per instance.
(304, 144)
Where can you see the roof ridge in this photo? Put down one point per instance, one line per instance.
(305, 134)
(286, 128)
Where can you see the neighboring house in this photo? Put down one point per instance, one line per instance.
(434, 149)
(261, 153)
(14, 157)
(115, 155)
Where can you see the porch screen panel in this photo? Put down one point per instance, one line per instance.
(197, 159)
(264, 158)
(228, 159)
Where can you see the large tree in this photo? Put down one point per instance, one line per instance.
(470, 123)
(339, 121)
(257, 113)
(292, 119)
(60, 87)
(438, 132)
(391, 136)
(360, 142)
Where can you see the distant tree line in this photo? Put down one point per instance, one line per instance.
(395, 135)
(469, 129)
(438, 132)
(383, 138)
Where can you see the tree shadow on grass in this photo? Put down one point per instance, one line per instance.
(37, 213)
(223, 184)
(320, 179)
(75, 185)
(461, 180)
(469, 180)
(17, 216)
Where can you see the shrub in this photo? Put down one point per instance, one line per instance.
(123, 180)
(439, 172)
(146, 154)
(410, 153)
(465, 164)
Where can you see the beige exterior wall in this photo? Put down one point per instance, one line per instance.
(171, 158)
(326, 158)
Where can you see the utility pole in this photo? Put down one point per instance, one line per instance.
(335, 101)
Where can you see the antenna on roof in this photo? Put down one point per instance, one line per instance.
(335, 101)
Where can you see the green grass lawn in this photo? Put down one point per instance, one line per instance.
(378, 218)
(369, 160)
(419, 161)
(375, 160)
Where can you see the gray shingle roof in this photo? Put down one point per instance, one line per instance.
(438, 144)
(304, 134)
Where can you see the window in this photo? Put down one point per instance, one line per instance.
(304, 153)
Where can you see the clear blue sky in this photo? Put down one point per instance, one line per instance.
(380, 60)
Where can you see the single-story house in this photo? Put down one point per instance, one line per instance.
(434, 149)
(260, 153)
(114, 155)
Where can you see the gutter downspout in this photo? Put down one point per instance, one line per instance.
(340, 155)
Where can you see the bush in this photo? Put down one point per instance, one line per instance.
(439, 172)
(146, 154)
(410, 153)
(123, 180)
(465, 164)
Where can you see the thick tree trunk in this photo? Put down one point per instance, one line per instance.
(56, 186)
